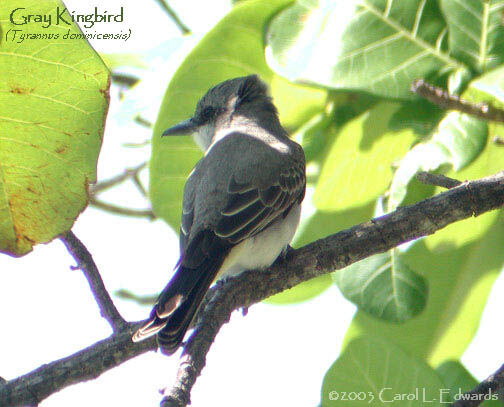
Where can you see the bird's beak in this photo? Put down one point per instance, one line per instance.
(183, 128)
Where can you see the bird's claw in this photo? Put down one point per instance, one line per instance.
(284, 254)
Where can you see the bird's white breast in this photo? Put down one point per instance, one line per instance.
(261, 250)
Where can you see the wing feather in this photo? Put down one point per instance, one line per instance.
(239, 202)
(250, 211)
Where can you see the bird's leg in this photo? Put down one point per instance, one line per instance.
(284, 254)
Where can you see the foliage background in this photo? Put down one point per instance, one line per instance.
(459, 264)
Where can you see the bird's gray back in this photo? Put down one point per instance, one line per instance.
(237, 159)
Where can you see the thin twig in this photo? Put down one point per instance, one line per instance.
(124, 79)
(139, 299)
(129, 173)
(143, 122)
(140, 144)
(176, 19)
(139, 185)
(111, 182)
(438, 180)
(137, 213)
(491, 386)
(445, 100)
(86, 263)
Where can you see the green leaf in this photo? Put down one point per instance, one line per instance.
(372, 372)
(358, 167)
(372, 45)
(460, 277)
(419, 115)
(475, 31)
(462, 136)
(315, 135)
(488, 88)
(234, 47)
(302, 292)
(318, 133)
(349, 105)
(384, 286)
(120, 59)
(457, 380)
(53, 103)
(296, 104)
(322, 223)
(458, 80)
(458, 140)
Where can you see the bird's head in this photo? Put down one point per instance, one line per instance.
(245, 97)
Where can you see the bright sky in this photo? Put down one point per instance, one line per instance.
(273, 356)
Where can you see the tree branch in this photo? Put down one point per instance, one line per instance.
(446, 100)
(86, 263)
(325, 256)
(318, 258)
(491, 385)
(87, 364)
(438, 180)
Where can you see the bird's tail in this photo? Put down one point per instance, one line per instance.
(178, 303)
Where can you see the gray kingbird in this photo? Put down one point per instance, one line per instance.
(241, 205)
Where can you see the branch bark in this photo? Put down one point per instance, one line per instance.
(327, 255)
(318, 258)
(492, 385)
(445, 100)
(87, 364)
(86, 263)
(438, 180)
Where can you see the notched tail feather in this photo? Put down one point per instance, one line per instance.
(179, 302)
(172, 334)
(159, 318)
(152, 327)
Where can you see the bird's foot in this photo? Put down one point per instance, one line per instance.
(284, 254)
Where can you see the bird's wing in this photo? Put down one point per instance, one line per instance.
(255, 204)
(188, 205)
(260, 183)
(240, 188)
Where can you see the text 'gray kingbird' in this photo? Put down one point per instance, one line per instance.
(241, 204)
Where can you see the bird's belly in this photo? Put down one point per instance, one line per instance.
(263, 249)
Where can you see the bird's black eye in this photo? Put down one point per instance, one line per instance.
(207, 114)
